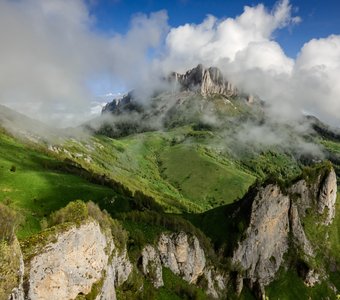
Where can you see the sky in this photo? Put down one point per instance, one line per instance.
(320, 18)
(59, 58)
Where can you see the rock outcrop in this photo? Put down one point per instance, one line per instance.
(275, 223)
(184, 256)
(327, 196)
(152, 266)
(206, 81)
(73, 260)
(260, 254)
(77, 260)
(299, 237)
(70, 266)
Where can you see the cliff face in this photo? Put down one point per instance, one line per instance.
(205, 81)
(80, 260)
(260, 254)
(184, 256)
(275, 223)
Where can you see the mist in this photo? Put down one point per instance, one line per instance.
(52, 56)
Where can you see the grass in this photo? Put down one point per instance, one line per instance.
(273, 163)
(331, 145)
(36, 188)
(325, 241)
(289, 286)
(202, 178)
(159, 164)
(177, 288)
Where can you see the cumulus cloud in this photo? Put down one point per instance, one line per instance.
(246, 39)
(316, 78)
(245, 49)
(51, 54)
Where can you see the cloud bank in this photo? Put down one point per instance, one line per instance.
(51, 54)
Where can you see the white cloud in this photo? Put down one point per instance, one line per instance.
(231, 39)
(316, 77)
(50, 54)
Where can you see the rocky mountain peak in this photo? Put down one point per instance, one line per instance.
(207, 81)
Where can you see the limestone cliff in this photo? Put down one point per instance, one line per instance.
(206, 81)
(79, 260)
(260, 254)
(275, 225)
(184, 256)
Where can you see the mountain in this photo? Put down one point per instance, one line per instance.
(206, 81)
(201, 95)
(200, 80)
(177, 201)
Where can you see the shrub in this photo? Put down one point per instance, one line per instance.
(105, 221)
(43, 223)
(75, 211)
(8, 223)
(120, 236)
(9, 265)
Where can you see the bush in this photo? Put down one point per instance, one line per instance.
(8, 223)
(173, 223)
(43, 223)
(75, 211)
(105, 221)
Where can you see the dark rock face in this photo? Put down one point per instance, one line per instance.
(120, 104)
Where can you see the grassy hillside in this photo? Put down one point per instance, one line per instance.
(202, 176)
(178, 168)
(31, 183)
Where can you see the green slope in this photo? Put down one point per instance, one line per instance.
(177, 168)
(31, 183)
(203, 177)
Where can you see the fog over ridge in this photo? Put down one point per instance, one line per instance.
(51, 55)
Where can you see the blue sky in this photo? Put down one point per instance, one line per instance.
(319, 18)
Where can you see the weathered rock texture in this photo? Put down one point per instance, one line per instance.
(184, 256)
(151, 265)
(275, 216)
(205, 81)
(70, 266)
(261, 253)
(327, 196)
